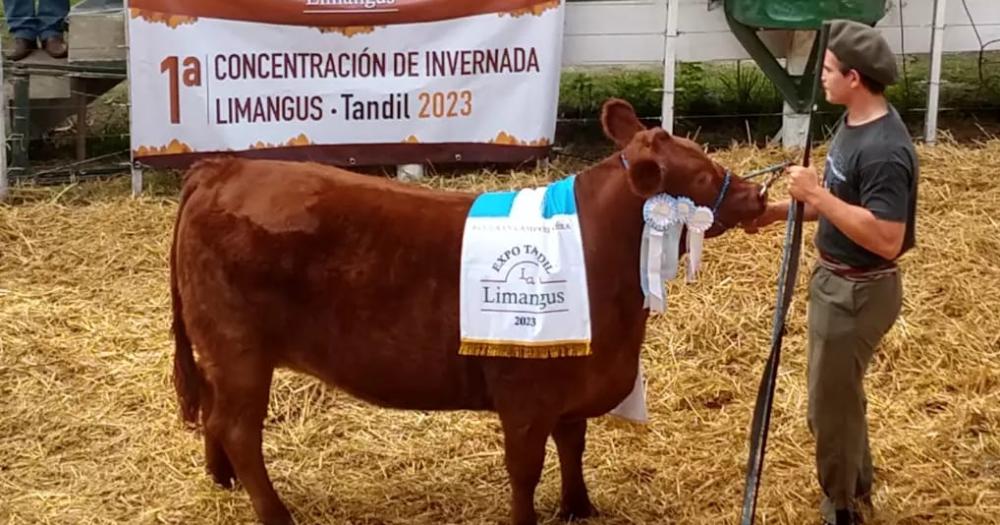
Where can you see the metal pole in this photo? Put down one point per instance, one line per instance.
(670, 64)
(21, 125)
(80, 96)
(4, 185)
(136, 169)
(934, 82)
(794, 124)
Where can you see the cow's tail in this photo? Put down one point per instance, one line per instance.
(187, 377)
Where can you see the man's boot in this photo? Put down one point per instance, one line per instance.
(56, 47)
(21, 49)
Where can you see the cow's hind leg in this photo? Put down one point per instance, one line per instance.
(237, 418)
(216, 461)
(524, 453)
(570, 438)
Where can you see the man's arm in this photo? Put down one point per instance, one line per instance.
(880, 233)
(859, 224)
(778, 211)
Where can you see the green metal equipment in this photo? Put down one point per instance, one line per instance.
(746, 17)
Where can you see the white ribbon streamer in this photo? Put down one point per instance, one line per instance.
(656, 299)
(672, 252)
(698, 222)
(633, 407)
(660, 250)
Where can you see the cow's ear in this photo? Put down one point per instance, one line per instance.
(619, 121)
(645, 177)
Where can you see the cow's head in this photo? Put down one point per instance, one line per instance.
(657, 162)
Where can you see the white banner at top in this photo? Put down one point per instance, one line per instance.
(287, 78)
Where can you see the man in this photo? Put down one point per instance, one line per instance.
(866, 212)
(28, 28)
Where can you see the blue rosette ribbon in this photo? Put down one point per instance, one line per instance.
(685, 208)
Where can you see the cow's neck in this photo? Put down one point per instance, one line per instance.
(604, 187)
(611, 219)
(611, 223)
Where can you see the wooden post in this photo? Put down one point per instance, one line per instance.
(670, 65)
(136, 180)
(934, 82)
(409, 172)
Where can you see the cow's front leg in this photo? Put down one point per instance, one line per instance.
(570, 438)
(524, 453)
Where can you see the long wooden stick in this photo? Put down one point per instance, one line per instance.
(786, 287)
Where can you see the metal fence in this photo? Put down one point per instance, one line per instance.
(67, 120)
(48, 102)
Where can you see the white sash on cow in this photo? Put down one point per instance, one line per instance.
(523, 287)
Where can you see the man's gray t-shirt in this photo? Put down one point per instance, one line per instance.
(873, 165)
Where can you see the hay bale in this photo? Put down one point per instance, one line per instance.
(89, 430)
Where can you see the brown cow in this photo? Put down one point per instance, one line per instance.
(354, 279)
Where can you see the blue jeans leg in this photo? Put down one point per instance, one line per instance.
(52, 17)
(21, 18)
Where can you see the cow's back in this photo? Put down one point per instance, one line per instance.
(351, 278)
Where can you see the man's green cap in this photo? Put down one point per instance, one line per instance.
(862, 47)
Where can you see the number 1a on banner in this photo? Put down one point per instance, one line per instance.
(192, 78)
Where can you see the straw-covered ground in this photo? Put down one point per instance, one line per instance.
(89, 431)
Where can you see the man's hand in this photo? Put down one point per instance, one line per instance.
(803, 183)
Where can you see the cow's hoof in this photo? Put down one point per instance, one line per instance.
(222, 473)
(224, 480)
(577, 512)
(281, 517)
(524, 518)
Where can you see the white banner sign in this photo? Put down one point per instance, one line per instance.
(370, 82)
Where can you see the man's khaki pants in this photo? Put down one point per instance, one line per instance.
(847, 319)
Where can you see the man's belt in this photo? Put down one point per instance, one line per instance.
(853, 273)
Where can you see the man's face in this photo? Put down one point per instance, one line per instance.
(836, 85)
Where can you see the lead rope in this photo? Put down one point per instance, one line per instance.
(786, 285)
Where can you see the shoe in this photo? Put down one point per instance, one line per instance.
(844, 517)
(56, 47)
(22, 48)
(847, 517)
(865, 509)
